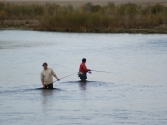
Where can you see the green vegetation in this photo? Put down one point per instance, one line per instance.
(87, 18)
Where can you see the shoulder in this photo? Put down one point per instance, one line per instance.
(42, 71)
(50, 69)
(82, 64)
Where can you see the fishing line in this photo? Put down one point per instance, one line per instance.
(63, 66)
(101, 71)
(65, 77)
(77, 72)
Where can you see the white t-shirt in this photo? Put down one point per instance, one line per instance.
(47, 75)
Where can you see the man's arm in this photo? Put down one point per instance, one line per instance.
(56, 77)
(54, 74)
(42, 80)
(85, 68)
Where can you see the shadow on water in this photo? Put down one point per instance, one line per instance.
(83, 84)
(97, 82)
(43, 89)
(18, 90)
(47, 92)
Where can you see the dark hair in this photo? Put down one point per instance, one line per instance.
(83, 60)
(45, 64)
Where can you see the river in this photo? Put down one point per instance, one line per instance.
(128, 84)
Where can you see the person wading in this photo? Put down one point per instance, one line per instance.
(83, 70)
(47, 76)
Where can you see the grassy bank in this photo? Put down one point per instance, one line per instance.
(130, 18)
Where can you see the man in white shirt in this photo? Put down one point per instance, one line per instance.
(47, 76)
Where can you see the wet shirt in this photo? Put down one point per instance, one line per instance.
(83, 68)
(47, 75)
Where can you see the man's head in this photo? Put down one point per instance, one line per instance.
(45, 65)
(84, 60)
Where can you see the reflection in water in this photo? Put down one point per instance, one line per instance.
(46, 95)
(82, 85)
(47, 92)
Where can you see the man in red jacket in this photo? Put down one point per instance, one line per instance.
(83, 70)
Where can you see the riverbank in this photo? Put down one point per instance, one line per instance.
(35, 25)
(110, 18)
(82, 2)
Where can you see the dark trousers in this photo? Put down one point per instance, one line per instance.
(83, 76)
(50, 86)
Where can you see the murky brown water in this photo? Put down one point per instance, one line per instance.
(131, 91)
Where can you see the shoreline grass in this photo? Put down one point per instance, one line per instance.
(111, 18)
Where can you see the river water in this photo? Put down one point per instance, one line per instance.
(127, 87)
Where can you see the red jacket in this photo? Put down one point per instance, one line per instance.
(83, 68)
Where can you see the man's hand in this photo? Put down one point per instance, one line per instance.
(43, 83)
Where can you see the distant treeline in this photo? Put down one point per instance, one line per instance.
(53, 17)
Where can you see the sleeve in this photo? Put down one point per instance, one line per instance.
(85, 68)
(41, 75)
(53, 73)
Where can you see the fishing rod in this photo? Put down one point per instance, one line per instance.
(101, 71)
(65, 77)
(76, 72)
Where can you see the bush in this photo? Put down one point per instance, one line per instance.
(53, 16)
(3, 14)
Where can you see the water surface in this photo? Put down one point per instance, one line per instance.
(130, 90)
